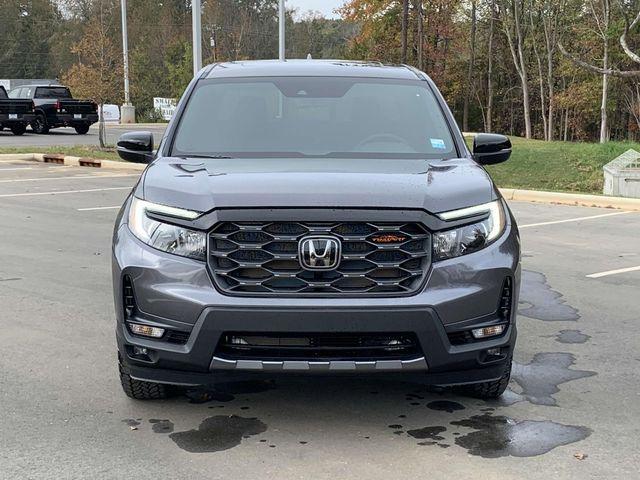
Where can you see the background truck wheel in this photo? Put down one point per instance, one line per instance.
(489, 390)
(39, 125)
(139, 390)
(81, 129)
(18, 129)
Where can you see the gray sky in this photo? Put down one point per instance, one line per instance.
(326, 7)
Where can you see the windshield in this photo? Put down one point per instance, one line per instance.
(313, 117)
(53, 92)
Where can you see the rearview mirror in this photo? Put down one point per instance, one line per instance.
(491, 148)
(136, 147)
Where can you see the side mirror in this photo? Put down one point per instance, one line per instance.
(491, 148)
(136, 147)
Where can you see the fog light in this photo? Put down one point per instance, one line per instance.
(146, 330)
(493, 352)
(488, 331)
(140, 351)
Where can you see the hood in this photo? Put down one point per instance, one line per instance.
(202, 185)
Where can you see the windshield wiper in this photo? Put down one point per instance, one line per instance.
(186, 157)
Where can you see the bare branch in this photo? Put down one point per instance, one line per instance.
(593, 68)
(623, 40)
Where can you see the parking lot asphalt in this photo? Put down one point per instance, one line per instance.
(572, 411)
(68, 136)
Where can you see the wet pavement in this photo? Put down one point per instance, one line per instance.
(571, 411)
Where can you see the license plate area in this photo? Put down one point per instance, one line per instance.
(77, 116)
(13, 116)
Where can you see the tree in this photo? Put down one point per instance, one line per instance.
(98, 72)
(512, 15)
(470, 67)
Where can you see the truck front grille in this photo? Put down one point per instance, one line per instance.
(262, 258)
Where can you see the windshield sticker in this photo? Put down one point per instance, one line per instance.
(438, 143)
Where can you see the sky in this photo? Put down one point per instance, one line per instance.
(325, 7)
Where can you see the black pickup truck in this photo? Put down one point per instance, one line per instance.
(55, 107)
(15, 114)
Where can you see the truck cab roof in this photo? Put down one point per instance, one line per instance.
(319, 68)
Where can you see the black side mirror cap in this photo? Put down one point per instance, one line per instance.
(491, 148)
(136, 147)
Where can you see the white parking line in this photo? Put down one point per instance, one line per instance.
(14, 169)
(62, 192)
(578, 219)
(614, 272)
(97, 208)
(71, 177)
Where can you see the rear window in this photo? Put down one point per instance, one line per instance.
(53, 92)
(331, 117)
(3, 93)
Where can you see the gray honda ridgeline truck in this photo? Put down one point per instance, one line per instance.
(314, 217)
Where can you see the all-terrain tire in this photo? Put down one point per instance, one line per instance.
(39, 125)
(81, 129)
(489, 390)
(140, 390)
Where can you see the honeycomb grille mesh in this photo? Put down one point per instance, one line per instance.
(262, 258)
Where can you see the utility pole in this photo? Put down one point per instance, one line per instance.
(281, 25)
(128, 111)
(196, 14)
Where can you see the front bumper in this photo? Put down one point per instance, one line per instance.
(177, 294)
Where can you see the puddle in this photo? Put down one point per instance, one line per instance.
(538, 300)
(540, 378)
(572, 336)
(501, 436)
(161, 426)
(428, 433)
(445, 406)
(218, 433)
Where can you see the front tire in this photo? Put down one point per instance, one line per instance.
(139, 390)
(81, 129)
(39, 125)
(489, 390)
(18, 129)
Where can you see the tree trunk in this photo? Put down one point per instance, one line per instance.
(472, 59)
(405, 28)
(543, 109)
(489, 122)
(420, 36)
(515, 39)
(605, 93)
(101, 129)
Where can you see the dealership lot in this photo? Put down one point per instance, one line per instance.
(573, 410)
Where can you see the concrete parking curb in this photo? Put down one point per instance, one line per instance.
(580, 199)
(76, 161)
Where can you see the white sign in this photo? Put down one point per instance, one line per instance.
(167, 106)
(111, 113)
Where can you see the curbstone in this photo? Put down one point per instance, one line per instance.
(580, 199)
